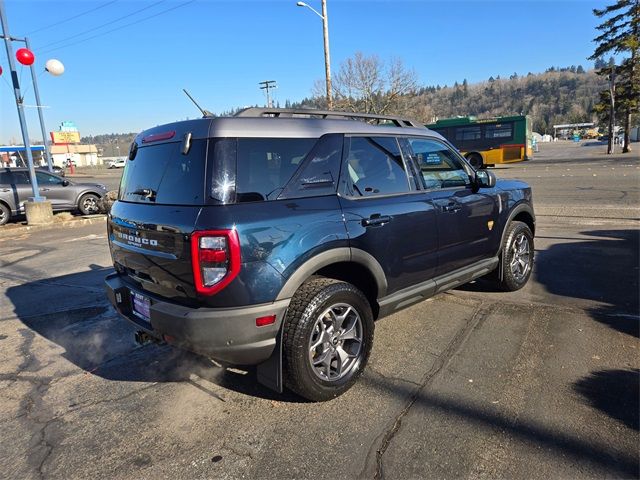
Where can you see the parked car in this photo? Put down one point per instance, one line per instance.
(15, 189)
(277, 237)
(119, 163)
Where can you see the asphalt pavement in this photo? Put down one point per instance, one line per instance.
(540, 383)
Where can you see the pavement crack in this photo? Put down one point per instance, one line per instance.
(478, 317)
(47, 446)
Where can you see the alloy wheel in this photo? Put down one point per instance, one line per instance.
(520, 257)
(335, 345)
(90, 205)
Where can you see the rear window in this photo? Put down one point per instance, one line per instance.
(161, 174)
(239, 170)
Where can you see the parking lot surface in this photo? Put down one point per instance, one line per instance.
(538, 383)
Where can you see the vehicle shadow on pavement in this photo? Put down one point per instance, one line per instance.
(614, 392)
(604, 270)
(92, 336)
(584, 451)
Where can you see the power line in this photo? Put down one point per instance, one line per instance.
(71, 18)
(104, 24)
(118, 28)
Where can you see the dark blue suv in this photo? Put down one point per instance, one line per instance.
(277, 237)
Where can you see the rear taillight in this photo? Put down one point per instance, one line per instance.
(215, 257)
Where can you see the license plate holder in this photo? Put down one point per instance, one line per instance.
(141, 306)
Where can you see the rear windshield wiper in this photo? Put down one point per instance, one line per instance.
(145, 192)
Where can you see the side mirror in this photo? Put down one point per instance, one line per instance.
(65, 182)
(485, 179)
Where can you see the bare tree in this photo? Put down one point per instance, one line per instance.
(370, 85)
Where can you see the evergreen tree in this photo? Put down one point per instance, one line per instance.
(599, 63)
(620, 34)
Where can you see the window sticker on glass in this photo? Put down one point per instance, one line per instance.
(433, 159)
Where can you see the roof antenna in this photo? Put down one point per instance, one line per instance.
(205, 113)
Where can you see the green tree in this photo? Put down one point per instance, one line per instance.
(620, 35)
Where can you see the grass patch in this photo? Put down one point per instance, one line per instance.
(62, 217)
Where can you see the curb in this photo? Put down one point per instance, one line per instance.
(7, 231)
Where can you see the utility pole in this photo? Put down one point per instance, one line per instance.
(612, 109)
(266, 85)
(18, 95)
(327, 59)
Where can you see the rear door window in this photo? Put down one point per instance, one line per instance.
(6, 178)
(374, 166)
(15, 178)
(161, 174)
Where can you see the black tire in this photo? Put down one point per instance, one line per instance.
(5, 214)
(517, 257)
(313, 306)
(475, 160)
(89, 204)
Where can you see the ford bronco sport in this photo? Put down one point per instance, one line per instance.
(277, 237)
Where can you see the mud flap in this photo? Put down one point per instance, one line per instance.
(270, 371)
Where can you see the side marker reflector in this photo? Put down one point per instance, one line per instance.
(264, 321)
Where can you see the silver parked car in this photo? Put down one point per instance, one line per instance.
(15, 189)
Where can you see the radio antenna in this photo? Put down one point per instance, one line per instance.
(205, 113)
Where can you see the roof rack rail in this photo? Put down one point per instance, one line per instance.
(290, 112)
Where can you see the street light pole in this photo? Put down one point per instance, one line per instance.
(327, 58)
(18, 95)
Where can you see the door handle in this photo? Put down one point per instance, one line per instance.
(376, 220)
(44, 189)
(5, 190)
(451, 207)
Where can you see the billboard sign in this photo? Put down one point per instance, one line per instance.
(64, 138)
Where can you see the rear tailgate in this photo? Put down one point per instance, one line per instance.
(156, 257)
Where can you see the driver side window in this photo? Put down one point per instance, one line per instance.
(45, 178)
(438, 164)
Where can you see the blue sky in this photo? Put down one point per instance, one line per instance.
(132, 78)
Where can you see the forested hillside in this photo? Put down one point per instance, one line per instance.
(559, 95)
(553, 97)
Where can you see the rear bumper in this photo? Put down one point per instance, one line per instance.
(229, 335)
